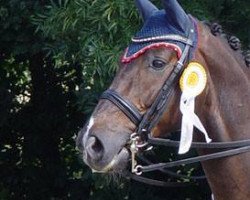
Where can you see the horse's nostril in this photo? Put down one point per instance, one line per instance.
(94, 148)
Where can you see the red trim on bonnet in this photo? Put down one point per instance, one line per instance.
(174, 47)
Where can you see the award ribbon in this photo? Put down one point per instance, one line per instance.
(192, 82)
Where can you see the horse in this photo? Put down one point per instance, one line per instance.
(175, 74)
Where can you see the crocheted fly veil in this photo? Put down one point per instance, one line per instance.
(158, 25)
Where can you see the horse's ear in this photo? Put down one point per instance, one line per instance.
(176, 16)
(146, 8)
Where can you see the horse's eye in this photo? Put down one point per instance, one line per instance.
(158, 64)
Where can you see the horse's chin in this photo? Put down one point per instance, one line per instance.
(117, 165)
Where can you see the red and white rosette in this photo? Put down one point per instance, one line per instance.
(192, 82)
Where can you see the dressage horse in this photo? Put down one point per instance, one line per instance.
(145, 100)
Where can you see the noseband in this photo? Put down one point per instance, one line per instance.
(141, 139)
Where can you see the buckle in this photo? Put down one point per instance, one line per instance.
(135, 146)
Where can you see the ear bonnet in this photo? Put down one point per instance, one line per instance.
(158, 26)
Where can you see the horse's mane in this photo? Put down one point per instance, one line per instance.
(233, 41)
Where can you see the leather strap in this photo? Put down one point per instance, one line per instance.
(154, 182)
(212, 156)
(212, 145)
(171, 173)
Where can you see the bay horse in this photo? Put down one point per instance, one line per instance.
(145, 99)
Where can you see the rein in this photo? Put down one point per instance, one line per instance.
(142, 140)
(238, 148)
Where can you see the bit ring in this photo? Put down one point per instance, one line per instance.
(138, 170)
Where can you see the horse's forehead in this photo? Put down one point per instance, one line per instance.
(156, 26)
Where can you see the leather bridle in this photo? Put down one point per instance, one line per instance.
(142, 139)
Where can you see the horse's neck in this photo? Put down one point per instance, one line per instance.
(226, 116)
(229, 93)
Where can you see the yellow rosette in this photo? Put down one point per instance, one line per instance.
(193, 79)
(192, 83)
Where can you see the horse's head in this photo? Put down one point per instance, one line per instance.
(151, 59)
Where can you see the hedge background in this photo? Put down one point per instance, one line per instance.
(56, 56)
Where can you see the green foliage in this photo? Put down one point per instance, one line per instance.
(230, 13)
(56, 57)
(17, 32)
(79, 32)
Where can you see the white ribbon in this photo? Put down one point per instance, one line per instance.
(189, 120)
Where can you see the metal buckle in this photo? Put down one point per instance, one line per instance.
(134, 148)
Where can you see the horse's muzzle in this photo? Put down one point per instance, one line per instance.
(100, 156)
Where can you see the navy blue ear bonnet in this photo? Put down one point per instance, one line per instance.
(158, 24)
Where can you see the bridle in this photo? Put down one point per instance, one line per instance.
(142, 140)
